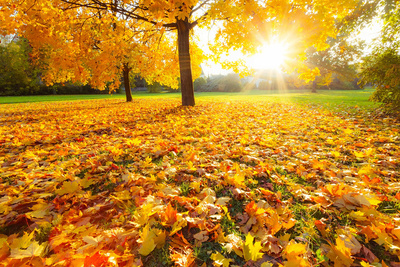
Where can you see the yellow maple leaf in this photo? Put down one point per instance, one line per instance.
(252, 251)
(142, 215)
(24, 241)
(196, 186)
(383, 238)
(178, 225)
(367, 170)
(160, 236)
(86, 182)
(34, 249)
(39, 210)
(294, 249)
(68, 188)
(294, 254)
(373, 200)
(123, 195)
(148, 244)
(133, 141)
(340, 254)
(253, 210)
(220, 260)
(237, 180)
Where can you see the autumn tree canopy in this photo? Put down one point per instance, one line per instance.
(381, 68)
(338, 61)
(91, 37)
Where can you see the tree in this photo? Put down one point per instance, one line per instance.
(243, 24)
(382, 67)
(98, 51)
(382, 70)
(336, 62)
(18, 75)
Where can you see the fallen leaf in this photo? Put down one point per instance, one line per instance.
(220, 260)
(251, 249)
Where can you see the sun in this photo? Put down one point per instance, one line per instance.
(272, 56)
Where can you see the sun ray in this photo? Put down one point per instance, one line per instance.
(272, 56)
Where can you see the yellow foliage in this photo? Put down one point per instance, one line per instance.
(251, 249)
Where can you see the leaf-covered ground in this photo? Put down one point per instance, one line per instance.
(149, 183)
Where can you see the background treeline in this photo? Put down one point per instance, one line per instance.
(268, 81)
(21, 76)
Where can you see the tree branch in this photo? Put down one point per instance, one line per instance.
(199, 7)
(98, 5)
(196, 22)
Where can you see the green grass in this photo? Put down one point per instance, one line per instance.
(328, 98)
(347, 98)
(47, 98)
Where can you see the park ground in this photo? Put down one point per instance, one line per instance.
(245, 179)
(331, 97)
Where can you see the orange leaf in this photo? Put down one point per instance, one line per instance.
(96, 259)
(169, 217)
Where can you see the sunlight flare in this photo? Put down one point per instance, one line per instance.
(272, 56)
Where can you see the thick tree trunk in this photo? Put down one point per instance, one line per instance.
(126, 84)
(185, 66)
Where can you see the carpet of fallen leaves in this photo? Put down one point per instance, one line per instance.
(245, 183)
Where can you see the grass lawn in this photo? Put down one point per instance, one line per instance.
(334, 97)
(251, 179)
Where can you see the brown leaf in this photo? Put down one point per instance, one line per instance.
(367, 254)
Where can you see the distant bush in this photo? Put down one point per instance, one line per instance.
(71, 89)
(154, 88)
(343, 85)
(265, 85)
(249, 85)
(230, 83)
(199, 84)
(220, 83)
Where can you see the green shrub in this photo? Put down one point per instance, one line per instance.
(154, 88)
(382, 70)
(230, 83)
(18, 75)
(199, 84)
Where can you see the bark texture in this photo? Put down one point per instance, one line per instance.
(185, 66)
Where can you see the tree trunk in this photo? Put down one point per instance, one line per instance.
(314, 87)
(127, 86)
(185, 66)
